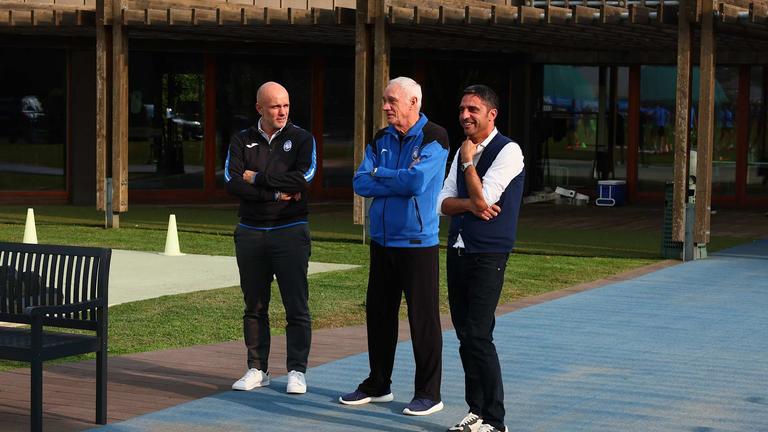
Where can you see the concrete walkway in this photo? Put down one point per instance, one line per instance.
(682, 349)
(143, 275)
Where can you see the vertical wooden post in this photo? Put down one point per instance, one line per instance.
(102, 102)
(119, 113)
(706, 126)
(363, 66)
(380, 63)
(682, 122)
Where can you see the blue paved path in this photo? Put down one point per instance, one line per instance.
(681, 349)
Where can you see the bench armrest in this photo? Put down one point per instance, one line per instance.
(60, 309)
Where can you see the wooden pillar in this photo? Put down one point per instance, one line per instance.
(363, 97)
(380, 64)
(119, 113)
(706, 127)
(103, 51)
(682, 122)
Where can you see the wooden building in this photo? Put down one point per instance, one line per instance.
(109, 101)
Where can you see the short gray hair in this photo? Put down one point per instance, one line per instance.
(410, 87)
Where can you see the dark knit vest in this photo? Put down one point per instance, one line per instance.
(498, 234)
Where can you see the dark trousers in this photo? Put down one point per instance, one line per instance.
(474, 287)
(414, 271)
(284, 253)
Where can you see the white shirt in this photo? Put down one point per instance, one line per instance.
(266, 135)
(507, 165)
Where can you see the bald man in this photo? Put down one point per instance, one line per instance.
(269, 167)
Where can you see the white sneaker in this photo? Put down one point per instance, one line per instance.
(252, 379)
(470, 423)
(297, 384)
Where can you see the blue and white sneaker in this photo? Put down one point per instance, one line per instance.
(422, 407)
(358, 397)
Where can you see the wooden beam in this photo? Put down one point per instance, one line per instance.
(557, 15)
(758, 12)
(381, 58)
(586, 15)
(504, 15)
(706, 124)
(682, 123)
(401, 15)
(119, 115)
(639, 14)
(613, 15)
(103, 40)
(732, 14)
(363, 67)
(450, 15)
(530, 15)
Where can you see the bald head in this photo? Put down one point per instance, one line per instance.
(273, 104)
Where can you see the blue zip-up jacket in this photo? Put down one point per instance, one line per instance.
(404, 175)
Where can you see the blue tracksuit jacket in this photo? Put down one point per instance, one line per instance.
(404, 175)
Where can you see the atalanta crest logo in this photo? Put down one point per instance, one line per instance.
(287, 146)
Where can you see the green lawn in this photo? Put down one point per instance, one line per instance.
(548, 259)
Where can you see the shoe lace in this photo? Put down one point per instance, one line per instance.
(469, 418)
(252, 373)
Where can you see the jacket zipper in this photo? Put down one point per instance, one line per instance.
(418, 214)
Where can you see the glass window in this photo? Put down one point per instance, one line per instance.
(165, 134)
(657, 124)
(339, 124)
(33, 120)
(724, 147)
(569, 115)
(657, 127)
(757, 150)
(238, 80)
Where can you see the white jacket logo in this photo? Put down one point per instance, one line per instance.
(287, 146)
(251, 145)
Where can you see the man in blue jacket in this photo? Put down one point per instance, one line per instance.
(402, 171)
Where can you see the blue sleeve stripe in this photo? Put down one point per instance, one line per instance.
(310, 174)
(227, 177)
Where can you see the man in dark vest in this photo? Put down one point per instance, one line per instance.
(482, 194)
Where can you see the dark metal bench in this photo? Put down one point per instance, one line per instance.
(64, 287)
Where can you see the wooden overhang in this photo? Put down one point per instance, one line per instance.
(588, 31)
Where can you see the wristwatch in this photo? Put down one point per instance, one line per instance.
(466, 165)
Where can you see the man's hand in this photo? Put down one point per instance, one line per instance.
(250, 176)
(467, 151)
(285, 196)
(488, 213)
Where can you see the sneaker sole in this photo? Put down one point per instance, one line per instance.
(261, 384)
(370, 399)
(296, 390)
(432, 410)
